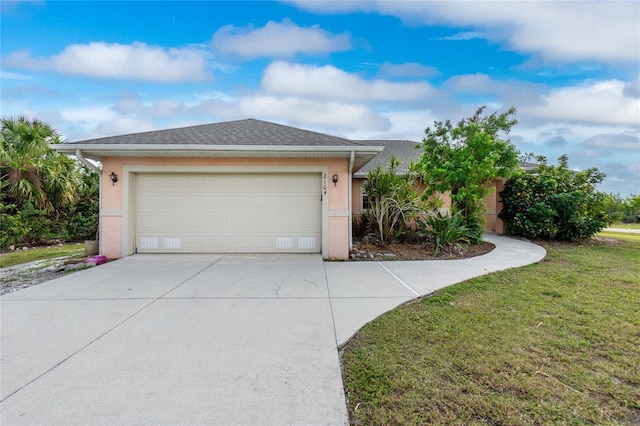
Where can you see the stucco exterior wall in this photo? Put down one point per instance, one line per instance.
(357, 195)
(494, 205)
(492, 201)
(113, 233)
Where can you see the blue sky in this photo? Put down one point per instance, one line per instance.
(359, 69)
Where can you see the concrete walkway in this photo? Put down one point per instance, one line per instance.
(205, 339)
(623, 230)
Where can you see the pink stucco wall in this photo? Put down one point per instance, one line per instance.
(492, 201)
(494, 205)
(356, 196)
(112, 231)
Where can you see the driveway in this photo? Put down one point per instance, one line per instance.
(205, 339)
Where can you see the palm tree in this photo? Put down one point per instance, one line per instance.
(30, 171)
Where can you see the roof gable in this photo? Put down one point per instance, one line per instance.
(404, 150)
(248, 132)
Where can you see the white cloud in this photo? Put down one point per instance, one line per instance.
(310, 113)
(131, 104)
(137, 61)
(594, 102)
(319, 115)
(88, 114)
(472, 83)
(123, 126)
(463, 36)
(563, 31)
(407, 69)
(329, 82)
(404, 125)
(622, 142)
(278, 40)
(632, 88)
(12, 75)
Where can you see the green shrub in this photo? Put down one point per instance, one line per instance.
(448, 232)
(393, 201)
(13, 230)
(555, 203)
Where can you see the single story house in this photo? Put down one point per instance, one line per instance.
(245, 186)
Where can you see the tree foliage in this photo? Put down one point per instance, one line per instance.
(625, 210)
(465, 159)
(555, 202)
(43, 194)
(30, 170)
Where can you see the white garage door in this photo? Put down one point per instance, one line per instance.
(228, 213)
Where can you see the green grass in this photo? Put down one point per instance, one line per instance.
(551, 343)
(18, 257)
(620, 236)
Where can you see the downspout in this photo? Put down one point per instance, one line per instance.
(86, 162)
(350, 185)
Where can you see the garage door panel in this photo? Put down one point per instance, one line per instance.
(228, 213)
(172, 183)
(238, 201)
(218, 223)
(196, 243)
(172, 223)
(262, 222)
(218, 202)
(195, 202)
(260, 201)
(196, 222)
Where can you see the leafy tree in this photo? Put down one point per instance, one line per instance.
(555, 202)
(631, 209)
(465, 159)
(30, 171)
(43, 194)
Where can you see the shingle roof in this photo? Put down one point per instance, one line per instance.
(404, 150)
(248, 132)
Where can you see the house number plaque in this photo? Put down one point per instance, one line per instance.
(324, 184)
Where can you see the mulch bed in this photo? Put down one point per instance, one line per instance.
(369, 249)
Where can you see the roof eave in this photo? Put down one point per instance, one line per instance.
(363, 154)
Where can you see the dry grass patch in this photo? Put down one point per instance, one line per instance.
(552, 343)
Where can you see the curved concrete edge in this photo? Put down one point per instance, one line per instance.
(622, 230)
(509, 253)
(421, 278)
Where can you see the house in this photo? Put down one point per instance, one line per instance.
(405, 151)
(409, 152)
(245, 186)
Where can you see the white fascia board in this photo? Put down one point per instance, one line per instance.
(178, 147)
(126, 150)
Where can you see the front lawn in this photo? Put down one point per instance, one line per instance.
(19, 256)
(620, 236)
(551, 343)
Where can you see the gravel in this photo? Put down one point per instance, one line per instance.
(18, 277)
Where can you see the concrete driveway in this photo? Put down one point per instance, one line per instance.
(205, 339)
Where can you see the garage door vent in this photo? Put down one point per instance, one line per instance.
(284, 243)
(172, 243)
(306, 243)
(149, 243)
